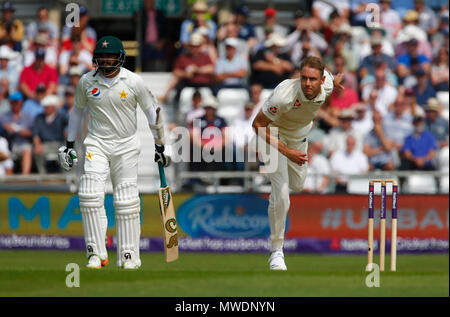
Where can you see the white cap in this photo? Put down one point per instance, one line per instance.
(232, 41)
(275, 39)
(196, 39)
(51, 100)
(6, 52)
(75, 70)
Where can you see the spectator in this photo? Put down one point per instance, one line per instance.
(435, 123)
(77, 56)
(377, 57)
(43, 25)
(386, 93)
(440, 38)
(33, 106)
(411, 30)
(18, 127)
(11, 29)
(324, 10)
(390, 19)
(349, 161)
(270, 22)
(48, 134)
(360, 12)
(303, 28)
(246, 30)
(69, 101)
(255, 93)
(386, 43)
(336, 138)
(303, 49)
(188, 27)
(9, 70)
(398, 125)
(153, 36)
(192, 69)
(6, 163)
(391, 77)
(317, 164)
(412, 108)
(4, 92)
(427, 18)
(270, 66)
(41, 41)
(231, 30)
(377, 146)
(362, 122)
(327, 117)
(440, 70)
(339, 65)
(208, 47)
(419, 149)
(197, 110)
(231, 72)
(343, 98)
(424, 89)
(38, 73)
(75, 74)
(342, 46)
(87, 34)
(404, 61)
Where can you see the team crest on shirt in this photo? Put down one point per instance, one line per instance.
(297, 104)
(273, 109)
(95, 92)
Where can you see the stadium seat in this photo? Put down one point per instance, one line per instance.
(231, 103)
(443, 184)
(421, 184)
(186, 97)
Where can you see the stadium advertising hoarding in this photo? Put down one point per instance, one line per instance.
(230, 222)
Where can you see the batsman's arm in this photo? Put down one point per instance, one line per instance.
(261, 123)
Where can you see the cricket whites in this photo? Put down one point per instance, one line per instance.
(168, 218)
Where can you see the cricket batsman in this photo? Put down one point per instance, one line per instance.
(291, 108)
(111, 94)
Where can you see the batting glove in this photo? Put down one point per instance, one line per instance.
(160, 157)
(67, 157)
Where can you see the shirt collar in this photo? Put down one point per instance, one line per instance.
(122, 74)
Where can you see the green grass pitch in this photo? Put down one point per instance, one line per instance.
(42, 273)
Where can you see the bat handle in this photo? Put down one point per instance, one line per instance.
(162, 175)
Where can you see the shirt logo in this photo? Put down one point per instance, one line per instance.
(105, 43)
(273, 109)
(123, 94)
(95, 92)
(89, 155)
(297, 104)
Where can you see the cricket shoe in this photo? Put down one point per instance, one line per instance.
(276, 261)
(95, 262)
(129, 265)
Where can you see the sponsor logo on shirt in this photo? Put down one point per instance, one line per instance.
(95, 92)
(297, 104)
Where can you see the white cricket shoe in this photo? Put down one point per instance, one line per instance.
(94, 262)
(129, 265)
(276, 261)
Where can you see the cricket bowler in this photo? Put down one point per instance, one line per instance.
(291, 108)
(111, 94)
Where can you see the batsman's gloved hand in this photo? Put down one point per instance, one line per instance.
(160, 157)
(67, 157)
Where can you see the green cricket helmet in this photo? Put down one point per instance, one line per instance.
(108, 45)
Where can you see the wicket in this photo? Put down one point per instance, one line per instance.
(383, 223)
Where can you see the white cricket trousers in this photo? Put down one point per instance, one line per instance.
(117, 158)
(287, 175)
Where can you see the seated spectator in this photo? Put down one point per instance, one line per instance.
(317, 164)
(362, 122)
(324, 10)
(412, 108)
(87, 34)
(38, 73)
(48, 134)
(339, 65)
(188, 27)
(377, 146)
(6, 163)
(404, 61)
(11, 29)
(359, 12)
(255, 93)
(33, 106)
(336, 138)
(435, 123)
(75, 74)
(398, 123)
(246, 30)
(4, 102)
(9, 70)
(231, 30)
(419, 148)
(349, 161)
(391, 76)
(427, 18)
(440, 70)
(303, 49)
(424, 89)
(43, 24)
(41, 41)
(69, 101)
(231, 72)
(77, 56)
(270, 66)
(192, 69)
(386, 43)
(18, 128)
(343, 98)
(390, 19)
(327, 117)
(411, 30)
(270, 21)
(369, 62)
(197, 110)
(208, 47)
(386, 93)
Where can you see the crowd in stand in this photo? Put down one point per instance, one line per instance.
(388, 117)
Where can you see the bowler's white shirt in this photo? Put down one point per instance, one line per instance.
(291, 112)
(112, 108)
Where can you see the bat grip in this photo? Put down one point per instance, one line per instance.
(162, 175)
